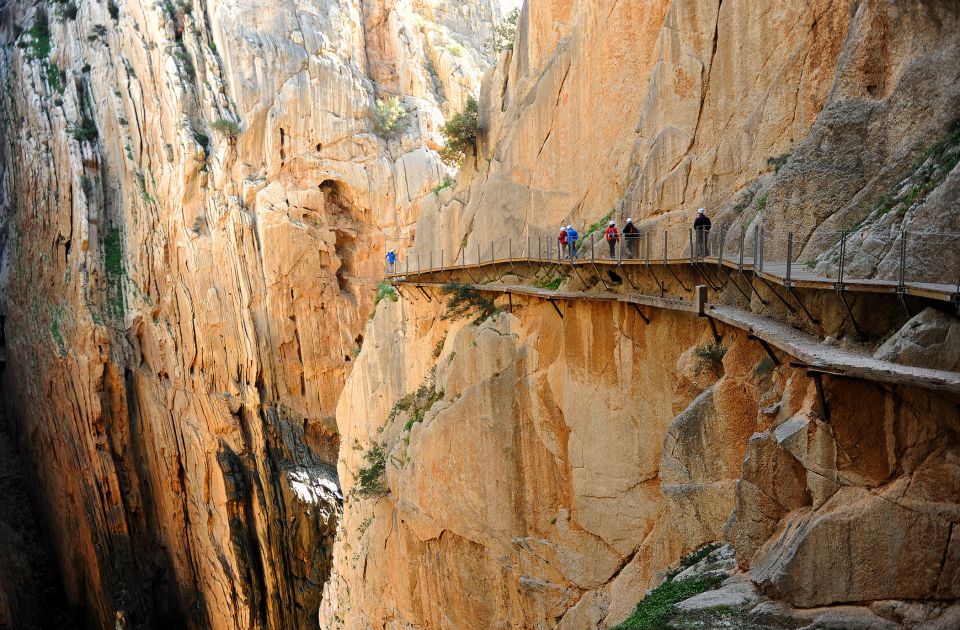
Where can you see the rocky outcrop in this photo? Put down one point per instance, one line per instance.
(195, 204)
(576, 479)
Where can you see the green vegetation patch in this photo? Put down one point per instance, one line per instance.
(447, 182)
(551, 283)
(924, 175)
(464, 301)
(505, 33)
(37, 38)
(387, 116)
(460, 134)
(657, 609)
(417, 403)
(226, 127)
(710, 355)
(370, 480)
(385, 290)
(85, 131)
(600, 224)
(113, 265)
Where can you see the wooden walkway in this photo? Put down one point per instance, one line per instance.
(799, 276)
(810, 353)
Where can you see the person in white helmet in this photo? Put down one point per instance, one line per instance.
(562, 242)
(391, 261)
(701, 229)
(630, 236)
(613, 237)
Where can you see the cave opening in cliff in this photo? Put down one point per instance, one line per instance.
(345, 219)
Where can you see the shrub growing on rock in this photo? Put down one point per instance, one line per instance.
(460, 134)
(226, 127)
(505, 33)
(387, 116)
(464, 301)
(370, 482)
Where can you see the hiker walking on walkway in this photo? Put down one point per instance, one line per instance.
(562, 242)
(701, 228)
(630, 236)
(391, 260)
(572, 237)
(613, 237)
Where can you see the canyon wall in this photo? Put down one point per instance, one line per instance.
(801, 116)
(542, 471)
(196, 198)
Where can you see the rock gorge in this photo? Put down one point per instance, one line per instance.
(196, 200)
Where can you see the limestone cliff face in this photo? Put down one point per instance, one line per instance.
(767, 113)
(542, 472)
(195, 204)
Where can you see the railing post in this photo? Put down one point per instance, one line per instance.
(690, 231)
(418, 263)
(479, 257)
(902, 286)
(441, 259)
(591, 248)
(406, 265)
(723, 239)
(646, 245)
(843, 247)
(761, 249)
(623, 241)
(756, 246)
(789, 258)
(743, 233)
(510, 249)
(492, 257)
(665, 248)
(528, 246)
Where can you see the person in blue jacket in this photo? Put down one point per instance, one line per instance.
(391, 260)
(572, 237)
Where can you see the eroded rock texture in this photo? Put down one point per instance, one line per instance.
(557, 466)
(791, 116)
(195, 204)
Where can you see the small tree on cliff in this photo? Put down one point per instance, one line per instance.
(505, 33)
(460, 134)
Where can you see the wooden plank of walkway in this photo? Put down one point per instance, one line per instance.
(848, 362)
(800, 345)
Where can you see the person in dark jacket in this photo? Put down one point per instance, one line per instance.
(631, 234)
(701, 229)
(613, 237)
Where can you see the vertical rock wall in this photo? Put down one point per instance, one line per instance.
(195, 203)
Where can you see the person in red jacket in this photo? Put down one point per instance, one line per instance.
(613, 237)
(562, 241)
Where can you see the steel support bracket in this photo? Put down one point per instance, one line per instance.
(425, 294)
(636, 307)
(556, 308)
(717, 337)
(767, 348)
